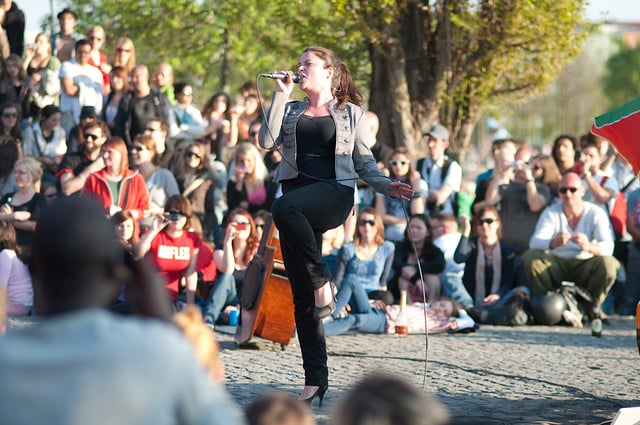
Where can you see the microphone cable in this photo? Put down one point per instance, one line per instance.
(406, 217)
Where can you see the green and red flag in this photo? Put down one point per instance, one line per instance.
(621, 127)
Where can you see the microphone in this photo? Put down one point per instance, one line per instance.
(296, 78)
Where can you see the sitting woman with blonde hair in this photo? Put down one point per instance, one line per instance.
(250, 186)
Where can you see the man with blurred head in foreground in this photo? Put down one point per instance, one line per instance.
(83, 365)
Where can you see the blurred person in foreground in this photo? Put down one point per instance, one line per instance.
(384, 399)
(142, 365)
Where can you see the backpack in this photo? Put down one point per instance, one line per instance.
(434, 209)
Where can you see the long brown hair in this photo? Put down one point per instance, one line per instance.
(342, 85)
(252, 240)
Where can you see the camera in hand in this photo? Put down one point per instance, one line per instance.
(173, 216)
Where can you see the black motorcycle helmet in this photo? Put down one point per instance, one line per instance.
(547, 308)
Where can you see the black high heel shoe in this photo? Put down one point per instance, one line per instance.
(319, 393)
(320, 313)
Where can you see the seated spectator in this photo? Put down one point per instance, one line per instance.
(10, 152)
(573, 241)
(126, 229)
(407, 268)
(446, 237)
(118, 87)
(383, 399)
(74, 136)
(45, 140)
(10, 117)
(489, 262)
(22, 208)
(161, 184)
(50, 191)
(15, 87)
(367, 260)
(76, 167)
(15, 278)
(117, 187)
(332, 241)
(392, 210)
(600, 188)
(504, 154)
(76, 274)
(249, 186)
(174, 248)
(239, 245)
(203, 183)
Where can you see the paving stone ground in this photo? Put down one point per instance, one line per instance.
(523, 375)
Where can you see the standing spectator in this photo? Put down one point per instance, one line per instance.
(406, 273)
(81, 86)
(43, 70)
(63, 43)
(77, 166)
(46, 140)
(392, 210)
(14, 85)
(77, 274)
(23, 208)
(564, 152)
(600, 189)
(158, 129)
(631, 293)
(188, 117)
(442, 174)
(124, 55)
(118, 88)
(249, 186)
(140, 105)
(10, 122)
(521, 202)
(163, 81)
(545, 171)
(14, 24)
(573, 241)
(97, 36)
(242, 116)
(116, 187)
(15, 278)
(217, 122)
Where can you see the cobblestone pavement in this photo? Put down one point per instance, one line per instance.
(524, 375)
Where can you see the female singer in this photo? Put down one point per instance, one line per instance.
(323, 141)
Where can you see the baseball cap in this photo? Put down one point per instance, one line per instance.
(439, 132)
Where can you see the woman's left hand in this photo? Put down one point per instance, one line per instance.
(491, 299)
(400, 190)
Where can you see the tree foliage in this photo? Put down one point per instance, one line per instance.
(421, 60)
(622, 78)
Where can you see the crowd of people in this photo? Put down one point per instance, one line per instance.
(188, 190)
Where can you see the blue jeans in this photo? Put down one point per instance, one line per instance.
(223, 293)
(453, 288)
(362, 318)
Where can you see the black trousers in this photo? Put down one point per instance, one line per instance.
(301, 215)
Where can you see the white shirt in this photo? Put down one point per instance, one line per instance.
(93, 367)
(89, 81)
(594, 223)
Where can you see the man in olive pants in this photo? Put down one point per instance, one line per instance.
(573, 241)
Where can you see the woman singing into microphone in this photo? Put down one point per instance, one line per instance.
(323, 141)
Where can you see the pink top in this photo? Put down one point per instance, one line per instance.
(258, 197)
(16, 279)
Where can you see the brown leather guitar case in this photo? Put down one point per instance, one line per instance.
(266, 300)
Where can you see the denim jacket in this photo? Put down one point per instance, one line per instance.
(353, 157)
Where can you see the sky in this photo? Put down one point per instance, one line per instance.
(614, 10)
